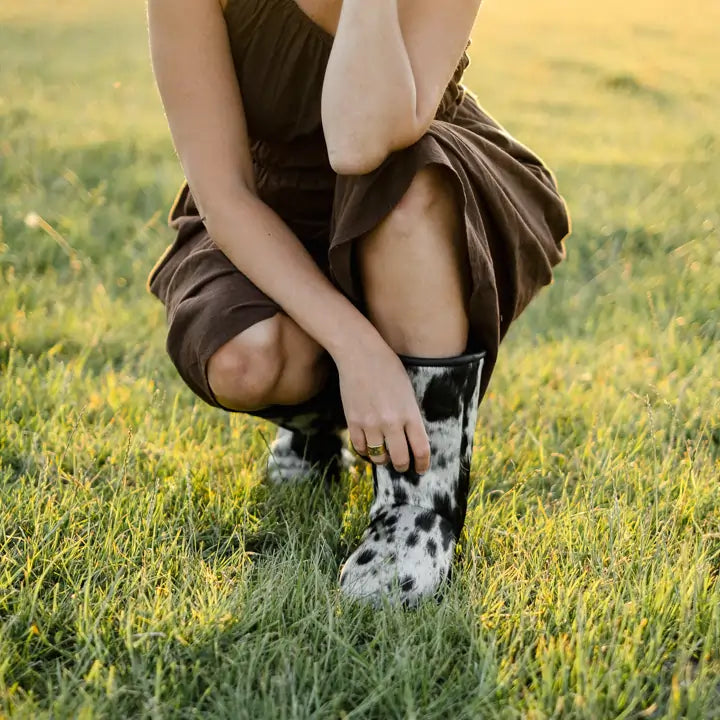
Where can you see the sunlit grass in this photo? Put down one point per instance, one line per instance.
(145, 568)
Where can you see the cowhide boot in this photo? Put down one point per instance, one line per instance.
(308, 442)
(415, 521)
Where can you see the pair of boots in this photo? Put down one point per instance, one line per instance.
(415, 520)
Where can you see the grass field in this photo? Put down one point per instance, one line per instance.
(145, 568)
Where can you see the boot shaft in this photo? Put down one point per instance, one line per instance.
(447, 391)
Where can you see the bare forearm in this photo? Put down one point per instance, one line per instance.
(258, 242)
(369, 97)
(389, 67)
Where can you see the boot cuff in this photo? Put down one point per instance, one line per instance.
(412, 361)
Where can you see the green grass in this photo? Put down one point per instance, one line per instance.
(147, 571)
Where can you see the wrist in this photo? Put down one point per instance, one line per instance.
(356, 333)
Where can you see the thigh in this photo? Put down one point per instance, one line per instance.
(208, 302)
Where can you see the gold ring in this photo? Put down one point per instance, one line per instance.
(376, 450)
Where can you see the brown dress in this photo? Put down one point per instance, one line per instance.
(513, 217)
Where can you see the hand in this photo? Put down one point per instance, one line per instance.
(380, 407)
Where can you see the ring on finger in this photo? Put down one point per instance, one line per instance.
(376, 450)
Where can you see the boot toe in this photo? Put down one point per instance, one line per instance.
(404, 557)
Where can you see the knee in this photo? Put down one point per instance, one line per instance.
(428, 197)
(244, 372)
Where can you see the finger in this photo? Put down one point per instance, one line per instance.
(419, 445)
(397, 446)
(357, 440)
(374, 437)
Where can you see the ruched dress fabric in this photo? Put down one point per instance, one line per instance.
(513, 217)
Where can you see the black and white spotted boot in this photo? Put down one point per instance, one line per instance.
(296, 457)
(415, 521)
(308, 443)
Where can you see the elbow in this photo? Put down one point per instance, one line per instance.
(354, 148)
(357, 159)
(363, 156)
(360, 140)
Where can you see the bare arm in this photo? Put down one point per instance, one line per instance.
(388, 69)
(196, 78)
(195, 74)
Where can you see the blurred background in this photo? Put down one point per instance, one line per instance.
(598, 445)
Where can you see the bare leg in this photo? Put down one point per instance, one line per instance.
(415, 278)
(275, 367)
(271, 363)
(414, 271)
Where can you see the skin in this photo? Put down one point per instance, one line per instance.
(416, 45)
(413, 265)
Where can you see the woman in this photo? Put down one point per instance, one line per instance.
(358, 238)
